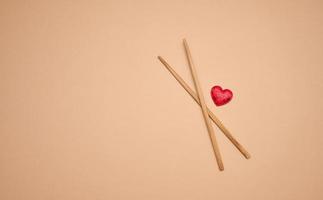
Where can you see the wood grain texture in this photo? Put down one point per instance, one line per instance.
(212, 116)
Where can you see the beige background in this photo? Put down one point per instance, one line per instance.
(88, 112)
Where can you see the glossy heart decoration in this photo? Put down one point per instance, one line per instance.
(221, 97)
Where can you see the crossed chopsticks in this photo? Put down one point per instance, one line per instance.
(207, 113)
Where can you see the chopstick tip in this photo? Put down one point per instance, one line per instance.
(160, 58)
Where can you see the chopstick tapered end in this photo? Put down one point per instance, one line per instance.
(185, 42)
(161, 60)
(220, 164)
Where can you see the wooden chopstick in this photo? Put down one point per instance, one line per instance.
(225, 131)
(203, 106)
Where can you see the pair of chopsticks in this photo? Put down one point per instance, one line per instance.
(207, 113)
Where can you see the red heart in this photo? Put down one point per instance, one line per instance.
(221, 97)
